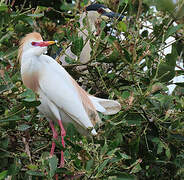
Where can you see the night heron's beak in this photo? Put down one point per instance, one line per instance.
(105, 12)
(113, 15)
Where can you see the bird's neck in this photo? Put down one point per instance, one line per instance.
(83, 32)
(30, 71)
(28, 62)
(90, 24)
(82, 16)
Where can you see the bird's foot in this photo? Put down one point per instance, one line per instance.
(63, 134)
(55, 136)
(52, 149)
(62, 162)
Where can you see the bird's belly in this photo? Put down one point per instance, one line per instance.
(46, 111)
(52, 112)
(46, 107)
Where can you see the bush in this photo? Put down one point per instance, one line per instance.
(144, 140)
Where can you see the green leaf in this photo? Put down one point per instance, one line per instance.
(66, 6)
(31, 104)
(136, 169)
(133, 119)
(111, 39)
(45, 155)
(14, 169)
(53, 161)
(104, 149)
(165, 100)
(165, 5)
(113, 57)
(156, 140)
(103, 24)
(102, 166)
(89, 164)
(112, 152)
(168, 153)
(122, 2)
(124, 156)
(29, 20)
(3, 7)
(125, 94)
(165, 72)
(35, 173)
(3, 174)
(127, 55)
(178, 137)
(23, 127)
(171, 58)
(77, 45)
(32, 167)
(122, 26)
(5, 87)
(70, 60)
(4, 143)
(11, 118)
(36, 15)
(20, 27)
(29, 95)
(160, 147)
(172, 30)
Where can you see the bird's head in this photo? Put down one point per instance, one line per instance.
(33, 44)
(99, 10)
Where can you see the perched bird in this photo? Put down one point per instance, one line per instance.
(93, 14)
(62, 99)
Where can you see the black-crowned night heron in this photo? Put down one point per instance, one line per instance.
(93, 14)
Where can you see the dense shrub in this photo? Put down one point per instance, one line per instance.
(144, 140)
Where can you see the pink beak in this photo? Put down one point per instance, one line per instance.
(43, 43)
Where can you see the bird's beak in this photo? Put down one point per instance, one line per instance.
(107, 15)
(43, 43)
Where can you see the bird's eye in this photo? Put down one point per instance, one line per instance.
(34, 43)
(101, 11)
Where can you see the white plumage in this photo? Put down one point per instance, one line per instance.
(62, 99)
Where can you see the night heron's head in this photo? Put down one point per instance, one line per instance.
(99, 10)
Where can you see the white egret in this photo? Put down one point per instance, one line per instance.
(62, 99)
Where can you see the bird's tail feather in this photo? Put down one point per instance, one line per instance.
(105, 106)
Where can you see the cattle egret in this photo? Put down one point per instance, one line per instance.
(93, 14)
(62, 99)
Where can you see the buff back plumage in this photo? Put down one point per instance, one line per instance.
(34, 35)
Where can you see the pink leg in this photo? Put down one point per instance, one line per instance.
(55, 136)
(63, 134)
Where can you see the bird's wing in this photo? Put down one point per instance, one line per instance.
(84, 55)
(66, 94)
(105, 106)
(68, 53)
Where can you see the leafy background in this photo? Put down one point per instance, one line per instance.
(145, 140)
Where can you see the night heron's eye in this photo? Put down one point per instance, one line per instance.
(101, 11)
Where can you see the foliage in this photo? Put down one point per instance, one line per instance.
(143, 141)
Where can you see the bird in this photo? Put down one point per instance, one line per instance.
(62, 100)
(93, 14)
